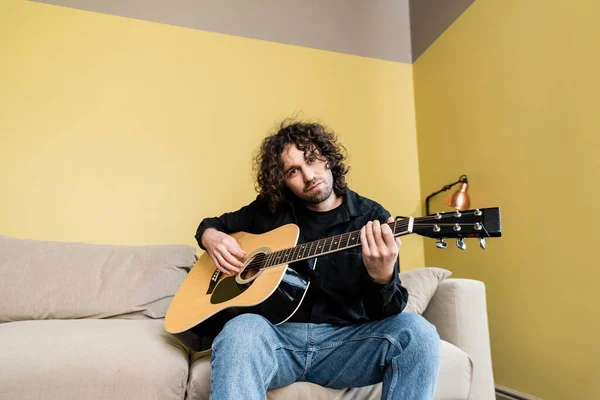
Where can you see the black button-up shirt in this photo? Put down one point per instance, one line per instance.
(344, 293)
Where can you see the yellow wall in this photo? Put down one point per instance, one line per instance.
(114, 130)
(509, 96)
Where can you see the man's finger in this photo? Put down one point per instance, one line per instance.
(377, 234)
(388, 236)
(391, 220)
(217, 261)
(232, 260)
(225, 266)
(364, 241)
(392, 227)
(235, 249)
(370, 238)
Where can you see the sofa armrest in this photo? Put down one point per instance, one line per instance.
(459, 311)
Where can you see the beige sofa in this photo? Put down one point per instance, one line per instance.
(82, 321)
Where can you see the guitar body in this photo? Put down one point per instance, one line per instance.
(207, 299)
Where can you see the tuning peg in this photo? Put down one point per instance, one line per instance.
(440, 244)
(482, 243)
(460, 243)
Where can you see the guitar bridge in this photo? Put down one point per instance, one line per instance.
(213, 281)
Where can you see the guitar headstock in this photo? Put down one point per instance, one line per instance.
(481, 223)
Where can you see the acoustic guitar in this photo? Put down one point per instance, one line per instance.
(276, 272)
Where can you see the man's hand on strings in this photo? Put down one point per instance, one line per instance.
(224, 250)
(379, 250)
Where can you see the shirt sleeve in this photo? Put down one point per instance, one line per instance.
(236, 221)
(383, 300)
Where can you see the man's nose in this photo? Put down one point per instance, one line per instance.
(309, 175)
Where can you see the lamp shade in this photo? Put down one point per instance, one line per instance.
(460, 199)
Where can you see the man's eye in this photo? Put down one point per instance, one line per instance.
(311, 160)
(292, 171)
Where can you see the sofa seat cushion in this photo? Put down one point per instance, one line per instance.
(454, 382)
(91, 359)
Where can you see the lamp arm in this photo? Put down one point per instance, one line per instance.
(463, 178)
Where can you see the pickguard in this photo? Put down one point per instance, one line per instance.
(226, 290)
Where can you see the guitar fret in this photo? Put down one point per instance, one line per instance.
(327, 244)
(295, 251)
(306, 249)
(348, 241)
(299, 252)
(310, 250)
(302, 250)
(335, 243)
(354, 238)
(319, 249)
(314, 248)
(281, 258)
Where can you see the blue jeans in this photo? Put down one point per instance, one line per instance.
(250, 356)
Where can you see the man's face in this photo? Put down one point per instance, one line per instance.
(308, 178)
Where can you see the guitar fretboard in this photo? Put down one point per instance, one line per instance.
(331, 244)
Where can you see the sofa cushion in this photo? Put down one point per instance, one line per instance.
(58, 280)
(422, 284)
(454, 381)
(91, 359)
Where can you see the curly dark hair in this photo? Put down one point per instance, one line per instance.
(315, 140)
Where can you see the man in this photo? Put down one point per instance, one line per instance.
(350, 330)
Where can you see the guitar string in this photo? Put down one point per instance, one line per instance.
(258, 264)
(264, 262)
(403, 223)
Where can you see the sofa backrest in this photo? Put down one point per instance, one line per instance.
(59, 280)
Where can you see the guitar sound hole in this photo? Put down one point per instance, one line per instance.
(247, 274)
(253, 267)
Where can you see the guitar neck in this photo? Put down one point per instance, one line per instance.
(317, 248)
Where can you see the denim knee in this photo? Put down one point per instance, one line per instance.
(243, 333)
(414, 330)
